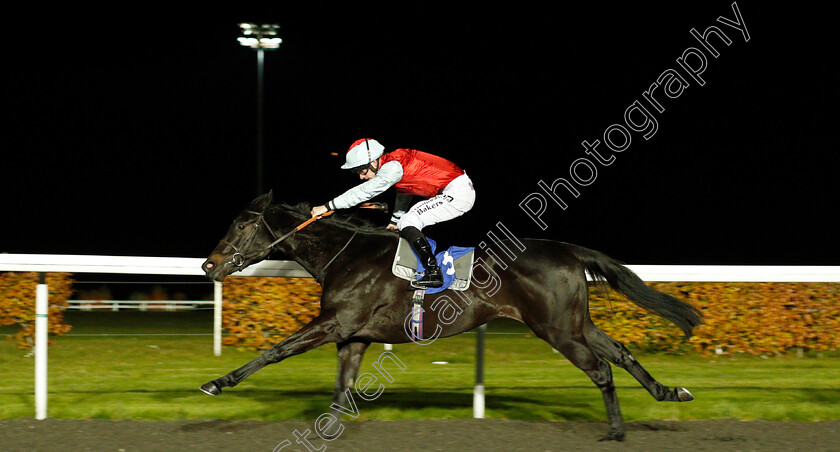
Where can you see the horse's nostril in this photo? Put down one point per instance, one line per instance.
(208, 264)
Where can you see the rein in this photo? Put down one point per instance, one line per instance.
(340, 251)
(238, 259)
(297, 228)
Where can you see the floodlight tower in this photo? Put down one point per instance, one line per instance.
(261, 38)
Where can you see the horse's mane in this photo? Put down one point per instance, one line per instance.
(354, 219)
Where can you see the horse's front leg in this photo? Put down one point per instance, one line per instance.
(320, 330)
(349, 360)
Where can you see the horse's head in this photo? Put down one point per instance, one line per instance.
(246, 242)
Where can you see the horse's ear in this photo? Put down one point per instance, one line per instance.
(261, 202)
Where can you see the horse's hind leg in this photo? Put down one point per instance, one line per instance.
(618, 354)
(575, 349)
(349, 360)
(320, 330)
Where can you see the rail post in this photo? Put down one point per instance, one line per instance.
(217, 318)
(478, 391)
(41, 328)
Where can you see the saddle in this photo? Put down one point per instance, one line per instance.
(456, 263)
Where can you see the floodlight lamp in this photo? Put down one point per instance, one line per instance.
(270, 43)
(259, 36)
(269, 29)
(248, 42)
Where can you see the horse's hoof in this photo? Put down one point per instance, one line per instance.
(683, 395)
(613, 436)
(210, 388)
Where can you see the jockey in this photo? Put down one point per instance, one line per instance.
(448, 189)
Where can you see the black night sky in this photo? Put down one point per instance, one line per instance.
(133, 131)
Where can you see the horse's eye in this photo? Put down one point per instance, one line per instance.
(240, 226)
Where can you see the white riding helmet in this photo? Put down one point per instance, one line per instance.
(362, 152)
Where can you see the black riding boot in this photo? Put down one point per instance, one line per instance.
(433, 276)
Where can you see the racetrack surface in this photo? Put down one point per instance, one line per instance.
(415, 435)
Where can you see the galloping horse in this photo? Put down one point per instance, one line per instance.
(545, 287)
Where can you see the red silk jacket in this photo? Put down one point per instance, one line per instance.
(423, 174)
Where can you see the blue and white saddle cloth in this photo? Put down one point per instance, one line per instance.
(456, 264)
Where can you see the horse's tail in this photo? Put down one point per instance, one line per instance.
(621, 279)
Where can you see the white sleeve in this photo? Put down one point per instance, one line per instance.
(388, 175)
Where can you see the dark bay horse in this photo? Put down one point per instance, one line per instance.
(545, 287)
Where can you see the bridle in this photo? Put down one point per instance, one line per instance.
(239, 258)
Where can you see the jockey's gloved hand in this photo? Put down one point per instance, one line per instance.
(392, 227)
(319, 210)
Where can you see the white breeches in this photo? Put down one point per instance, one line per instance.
(453, 201)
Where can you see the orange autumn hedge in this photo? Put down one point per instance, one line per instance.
(260, 312)
(755, 318)
(17, 303)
